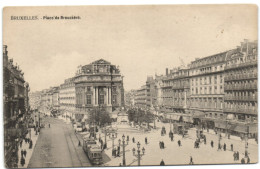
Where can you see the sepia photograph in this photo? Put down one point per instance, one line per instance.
(130, 85)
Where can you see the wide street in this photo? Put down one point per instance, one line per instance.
(175, 155)
(57, 146)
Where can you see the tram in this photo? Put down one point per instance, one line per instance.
(93, 151)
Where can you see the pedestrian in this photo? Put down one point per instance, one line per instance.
(231, 147)
(145, 140)
(21, 143)
(237, 155)
(242, 161)
(24, 152)
(133, 140)
(219, 146)
(224, 147)
(162, 162)
(118, 151)
(212, 143)
(205, 140)
(49, 125)
(21, 153)
(22, 161)
(127, 138)
(79, 144)
(105, 146)
(191, 160)
(160, 145)
(179, 143)
(248, 160)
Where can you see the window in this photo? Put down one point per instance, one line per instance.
(88, 99)
(88, 88)
(101, 99)
(114, 100)
(114, 89)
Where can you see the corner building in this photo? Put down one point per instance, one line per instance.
(99, 84)
(241, 90)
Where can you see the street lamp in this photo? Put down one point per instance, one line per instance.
(123, 138)
(113, 136)
(246, 141)
(138, 155)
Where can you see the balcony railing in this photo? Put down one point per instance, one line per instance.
(241, 86)
(180, 86)
(241, 65)
(240, 76)
(241, 110)
(243, 98)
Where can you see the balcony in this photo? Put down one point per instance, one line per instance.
(254, 62)
(241, 98)
(240, 76)
(242, 110)
(241, 87)
(180, 86)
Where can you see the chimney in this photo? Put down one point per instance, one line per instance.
(166, 71)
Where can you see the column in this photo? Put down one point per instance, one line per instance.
(94, 96)
(107, 102)
(109, 96)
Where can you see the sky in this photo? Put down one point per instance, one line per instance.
(141, 40)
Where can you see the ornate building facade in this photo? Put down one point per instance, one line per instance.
(67, 97)
(207, 88)
(241, 93)
(16, 107)
(99, 84)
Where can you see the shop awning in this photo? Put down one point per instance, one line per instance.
(198, 114)
(253, 128)
(171, 116)
(221, 124)
(188, 119)
(240, 128)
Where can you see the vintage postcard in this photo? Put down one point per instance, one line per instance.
(139, 85)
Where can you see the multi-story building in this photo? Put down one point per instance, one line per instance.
(35, 99)
(158, 90)
(207, 88)
(16, 107)
(150, 92)
(99, 84)
(241, 90)
(130, 98)
(67, 95)
(140, 97)
(55, 98)
(176, 94)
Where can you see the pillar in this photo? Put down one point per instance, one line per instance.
(109, 96)
(107, 101)
(94, 96)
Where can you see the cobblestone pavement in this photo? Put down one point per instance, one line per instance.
(57, 146)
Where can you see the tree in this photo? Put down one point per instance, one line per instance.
(99, 116)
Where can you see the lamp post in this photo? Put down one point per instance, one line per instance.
(123, 138)
(113, 136)
(246, 141)
(138, 155)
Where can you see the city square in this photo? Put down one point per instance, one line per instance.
(122, 100)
